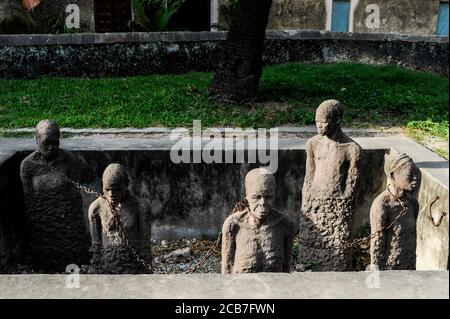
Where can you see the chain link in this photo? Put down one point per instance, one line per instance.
(243, 204)
(238, 207)
(358, 242)
(114, 211)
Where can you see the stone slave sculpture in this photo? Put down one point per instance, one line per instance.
(256, 238)
(331, 178)
(111, 254)
(395, 248)
(57, 233)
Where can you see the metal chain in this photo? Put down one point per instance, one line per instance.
(121, 231)
(238, 207)
(243, 204)
(206, 255)
(116, 218)
(360, 241)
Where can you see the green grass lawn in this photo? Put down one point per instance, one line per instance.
(289, 94)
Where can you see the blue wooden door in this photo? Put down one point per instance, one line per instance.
(340, 16)
(442, 24)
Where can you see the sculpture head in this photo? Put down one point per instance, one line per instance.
(260, 188)
(47, 138)
(328, 117)
(402, 174)
(115, 183)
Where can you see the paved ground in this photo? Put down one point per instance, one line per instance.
(349, 285)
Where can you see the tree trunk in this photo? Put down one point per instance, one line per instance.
(240, 67)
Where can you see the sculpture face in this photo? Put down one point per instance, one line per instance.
(326, 124)
(48, 143)
(115, 183)
(260, 193)
(114, 191)
(261, 203)
(405, 177)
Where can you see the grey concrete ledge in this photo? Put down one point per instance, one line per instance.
(143, 37)
(307, 285)
(285, 131)
(427, 160)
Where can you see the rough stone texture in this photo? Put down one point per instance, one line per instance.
(150, 169)
(256, 238)
(126, 54)
(399, 16)
(432, 236)
(333, 168)
(54, 211)
(347, 285)
(57, 234)
(297, 14)
(395, 248)
(110, 253)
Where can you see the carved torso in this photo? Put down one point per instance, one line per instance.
(111, 253)
(328, 193)
(259, 248)
(332, 161)
(395, 249)
(54, 210)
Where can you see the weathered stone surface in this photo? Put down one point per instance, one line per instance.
(332, 175)
(54, 209)
(208, 191)
(127, 54)
(147, 158)
(111, 254)
(432, 224)
(303, 285)
(256, 238)
(395, 248)
(296, 14)
(399, 16)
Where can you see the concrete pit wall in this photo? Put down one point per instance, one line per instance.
(129, 54)
(187, 200)
(432, 229)
(193, 200)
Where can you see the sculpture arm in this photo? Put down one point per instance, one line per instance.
(309, 169)
(95, 228)
(26, 181)
(378, 220)
(29, 198)
(228, 246)
(353, 172)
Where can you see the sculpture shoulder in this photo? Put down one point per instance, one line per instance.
(28, 163)
(352, 145)
(94, 208)
(313, 141)
(233, 220)
(379, 204)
